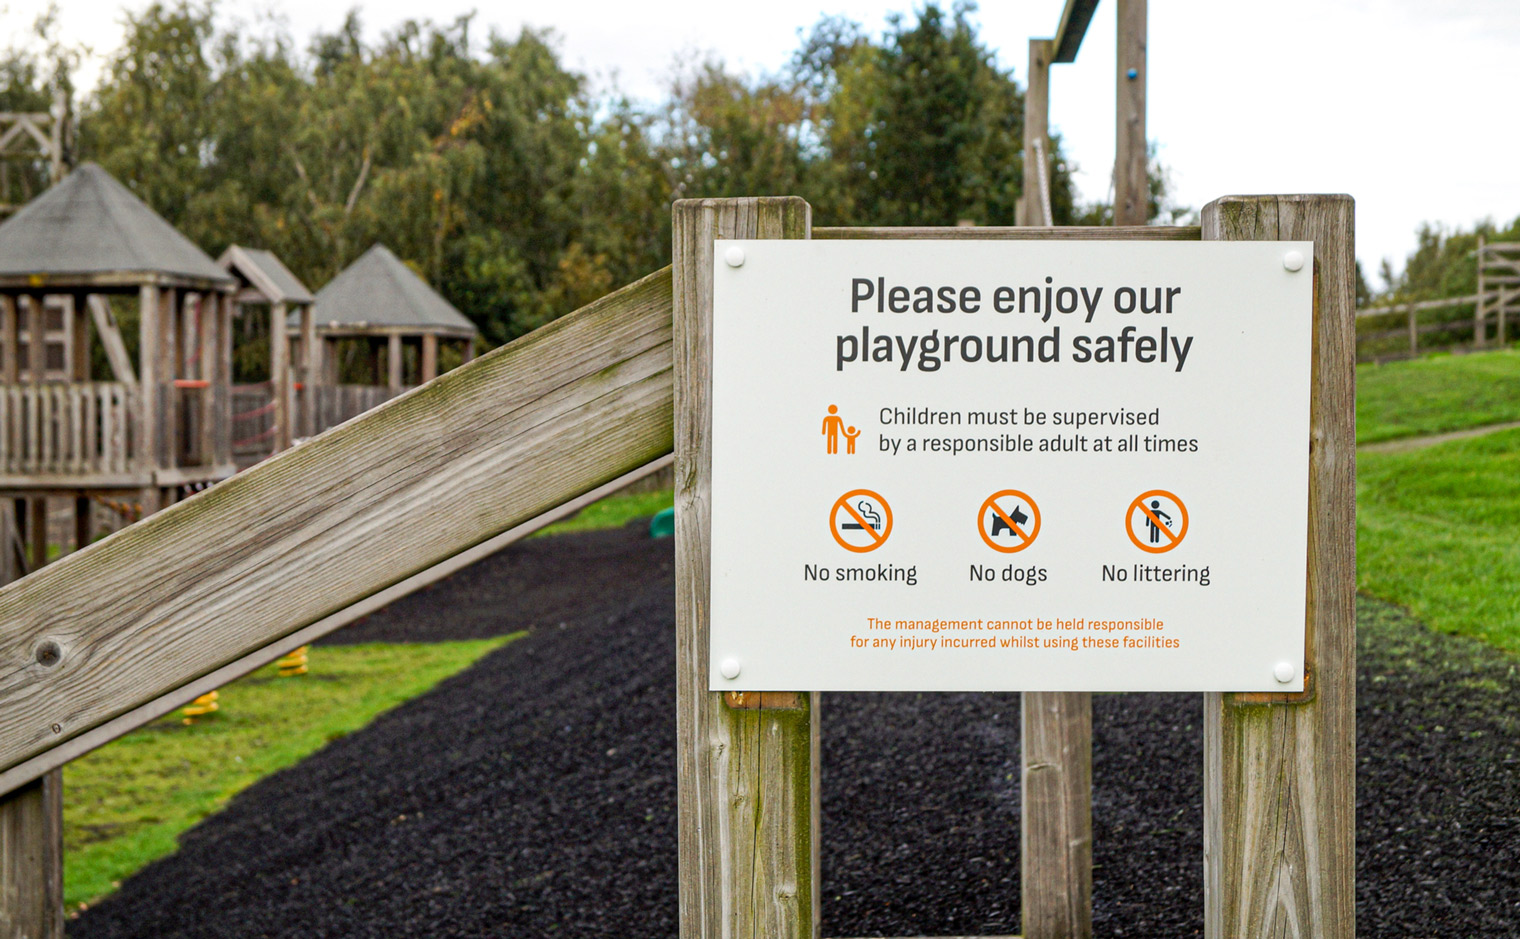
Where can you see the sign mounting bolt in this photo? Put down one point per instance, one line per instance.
(729, 667)
(734, 256)
(1284, 672)
(1294, 260)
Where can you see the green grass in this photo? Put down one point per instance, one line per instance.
(128, 802)
(1438, 531)
(615, 511)
(1435, 394)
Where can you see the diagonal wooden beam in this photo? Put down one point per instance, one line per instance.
(332, 521)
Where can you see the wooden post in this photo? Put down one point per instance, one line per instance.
(311, 371)
(1036, 132)
(10, 334)
(31, 823)
(1056, 814)
(1131, 187)
(31, 860)
(223, 385)
(469, 350)
(36, 343)
(1279, 836)
(279, 375)
(78, 319)
(37, 528)
(1414, 331)
(168, 322)
(393, 362)
(148, 343)
(1480, 328)
(82, 529)
(747, 775)
(429, 357)
(208, 315)
(1056, 739)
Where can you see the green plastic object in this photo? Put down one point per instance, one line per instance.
(663, 525)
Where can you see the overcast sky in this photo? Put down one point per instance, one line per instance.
(1402, 103)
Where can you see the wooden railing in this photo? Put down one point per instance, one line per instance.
(224, 574)
(67, 429)
(253, 414)
(335, 404)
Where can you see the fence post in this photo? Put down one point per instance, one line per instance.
(1480, 327)
(747, 764)
(31, 841)
(1414, 332)
(1279, 770)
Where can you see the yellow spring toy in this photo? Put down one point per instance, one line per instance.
(294, 663)
(201, 706)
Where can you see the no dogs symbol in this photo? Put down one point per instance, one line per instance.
(1157, 521)
(1009, 521)
(860, 520)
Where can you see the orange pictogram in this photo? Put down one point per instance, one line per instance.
(1157, 521)
(1003, 517)
(860, 520)
(834, 428)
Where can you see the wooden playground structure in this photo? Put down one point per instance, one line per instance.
(234, 577)
(276, 556)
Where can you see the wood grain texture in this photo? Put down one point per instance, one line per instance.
(1131, 156)
(152, 710)
(1280, 779)
(1056, 798)
(747, 777)
(1036, 129)
(31, 860)
(323, 525)
(1016, 233)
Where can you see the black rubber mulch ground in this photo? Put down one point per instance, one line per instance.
(534, 794)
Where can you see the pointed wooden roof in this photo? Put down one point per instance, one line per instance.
(379, 292)
(90, 230)
(266, 273)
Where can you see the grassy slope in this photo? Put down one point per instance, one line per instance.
(1438, 530)
(128, 802)
(1435, 394)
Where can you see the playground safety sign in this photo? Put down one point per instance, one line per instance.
(983, 465)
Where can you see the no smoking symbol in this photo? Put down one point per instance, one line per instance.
(1157, 521)
(1008, 521)
(860, 520)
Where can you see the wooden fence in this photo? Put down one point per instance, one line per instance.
(274, 557)
(67, 429)
(1489, 317)
(253, 413)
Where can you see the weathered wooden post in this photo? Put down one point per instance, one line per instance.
(31, 860)
(31, 834)
(1131, 186)
(1280, 769)
(747, 764)
(1036, 134)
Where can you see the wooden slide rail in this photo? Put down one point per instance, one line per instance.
(331, 522)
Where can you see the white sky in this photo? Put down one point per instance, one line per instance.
(1402, 103)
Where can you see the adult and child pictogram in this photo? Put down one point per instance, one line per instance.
(834, 428)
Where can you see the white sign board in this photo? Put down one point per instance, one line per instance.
(1037, 466)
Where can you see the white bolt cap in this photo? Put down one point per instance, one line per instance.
(1293, 260)
(729, 667)
(1284, 672)
(734, 256)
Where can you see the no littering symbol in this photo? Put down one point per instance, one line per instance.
(1004, 523)
(860, 520)
(1157, 521)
